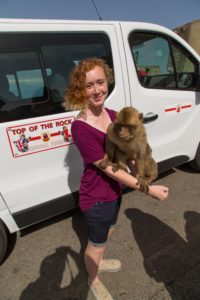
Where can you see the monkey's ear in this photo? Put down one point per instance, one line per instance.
(141, 116)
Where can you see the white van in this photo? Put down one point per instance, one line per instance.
(155, 70)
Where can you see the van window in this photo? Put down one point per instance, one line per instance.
(35, 67)
(21, 76)
(162, 63)
(185, 68)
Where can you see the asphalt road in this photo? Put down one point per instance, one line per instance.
(158, 244)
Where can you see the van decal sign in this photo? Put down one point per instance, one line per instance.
(40, 136)
(179, 108)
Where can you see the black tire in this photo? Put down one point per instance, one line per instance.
(195, 164)
(3, 241)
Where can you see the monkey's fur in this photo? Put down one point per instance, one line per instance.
(126, 140)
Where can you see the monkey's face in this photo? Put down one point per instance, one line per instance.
(127, 122)
(126, 132)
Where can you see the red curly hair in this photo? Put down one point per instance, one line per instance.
(75, 95)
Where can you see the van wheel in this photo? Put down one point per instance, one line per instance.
(195, 164)
(3, 241)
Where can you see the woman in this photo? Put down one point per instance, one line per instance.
(100, 190)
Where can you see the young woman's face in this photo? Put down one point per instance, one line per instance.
(96, 86)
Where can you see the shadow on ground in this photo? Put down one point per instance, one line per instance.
(48, 285)
(168, 258)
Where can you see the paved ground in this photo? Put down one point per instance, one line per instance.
(158, 244)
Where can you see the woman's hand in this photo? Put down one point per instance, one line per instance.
(159, 192)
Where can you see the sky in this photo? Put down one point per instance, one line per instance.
(169, 13)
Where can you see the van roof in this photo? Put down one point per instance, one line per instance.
(7, 24)
(34, 25)
(68, 21)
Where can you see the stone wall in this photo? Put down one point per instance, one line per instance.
(191, 33)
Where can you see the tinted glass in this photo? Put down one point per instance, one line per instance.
(161, 63)
(35, 67)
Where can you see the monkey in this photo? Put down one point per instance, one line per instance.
(126, 140)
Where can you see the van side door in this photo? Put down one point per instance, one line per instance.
(163, 73)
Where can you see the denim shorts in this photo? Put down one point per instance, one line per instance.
(100, 218)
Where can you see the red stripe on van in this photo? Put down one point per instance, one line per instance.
(186, 106)
(35, 138)
(55, 134)
(170, 109)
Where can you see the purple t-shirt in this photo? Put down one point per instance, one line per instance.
(95, 185)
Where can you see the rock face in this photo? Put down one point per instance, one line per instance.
(191, 33)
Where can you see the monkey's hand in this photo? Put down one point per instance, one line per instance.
(144, 186)
(115, 167)
(105, 162)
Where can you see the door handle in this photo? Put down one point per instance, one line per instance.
(149, 117)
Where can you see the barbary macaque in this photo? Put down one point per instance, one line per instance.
(126, 141)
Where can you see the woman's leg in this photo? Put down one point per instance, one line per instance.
(100, 220)
(93, 256)
(92, 259)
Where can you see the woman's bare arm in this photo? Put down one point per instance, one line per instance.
(159, 192)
